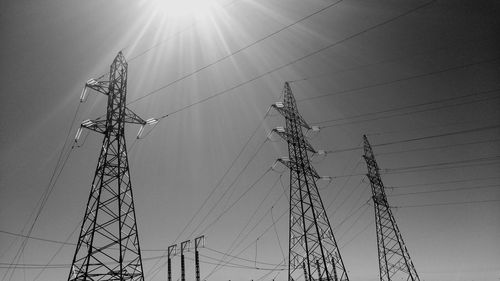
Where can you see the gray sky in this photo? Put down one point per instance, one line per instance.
(381, 68)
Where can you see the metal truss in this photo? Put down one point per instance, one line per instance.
(108, 244)
(313, 251)
(393, 257)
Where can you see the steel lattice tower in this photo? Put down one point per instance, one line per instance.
(108, 245)
(393, 257)
(313, 251)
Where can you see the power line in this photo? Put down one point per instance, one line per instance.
(236, 201)
(407, 129)
(58, 250)
(234, 53)
(440, 135)
(236, 257)
(422, 168)
(221, 197)
(60, 242)
(444, 190)
(344, 184)
(300, 58)
(267, 229)
(413, 112)
(345, 199)
(231, 247)
(191, 26)
(402, 79)
(239, 265)
(482, 159)
(413, 106)
(443, 168)
(449, 203)
(395, 59)
(361, 196)
(36, 238)
(244, 238)
(348, 149)
(66, 266)
(277, 236)
(351, 214)
(437, 147)
(284, 65)
(223, 176)
(63, 243)
(357, 234)
(354, 222)
(205, 201)
(60, 164)
(250, 244)
(269, 273)
(230, 186)
(444, 182)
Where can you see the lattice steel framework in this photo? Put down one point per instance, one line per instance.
(393, 257)
(184, 248)
(172, 251)
(108, 245)
(198, 242)
(313, 251)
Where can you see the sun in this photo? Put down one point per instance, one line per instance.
(181, 9)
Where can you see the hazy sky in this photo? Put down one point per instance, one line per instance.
(422, 81)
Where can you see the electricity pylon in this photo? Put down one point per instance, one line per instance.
(108, 245)
(184, 248)
(172, 251)
(198, 242)
(393, 257)
(313, 251)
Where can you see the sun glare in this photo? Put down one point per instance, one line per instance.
(181, 9)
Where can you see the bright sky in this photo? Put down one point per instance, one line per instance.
(422, 81)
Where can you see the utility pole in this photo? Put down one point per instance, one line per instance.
(313, 251)
(393, 257)
(198, 242)
(184, 247)
(172, 251)
(108, 244)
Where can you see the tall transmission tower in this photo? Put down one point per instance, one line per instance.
(108, 245)
(313, 251)
(393, 257)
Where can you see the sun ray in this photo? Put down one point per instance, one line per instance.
(181, 9)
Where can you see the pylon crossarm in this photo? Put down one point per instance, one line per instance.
(287, 113)
(185, 246)
(172, 250)
(285, 135)
(132, 118)
(98, 86)
(199, 242)
(292, 165)
(95, 125)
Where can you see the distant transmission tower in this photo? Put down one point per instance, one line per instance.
(108, 245)
(313, 251)
(393, 257)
